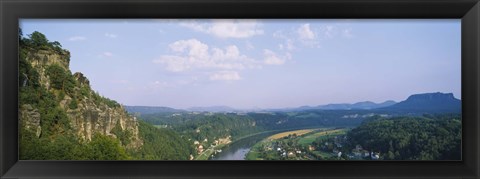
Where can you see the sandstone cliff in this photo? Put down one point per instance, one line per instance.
(87, 112)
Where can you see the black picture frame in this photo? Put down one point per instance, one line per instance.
(466, 10)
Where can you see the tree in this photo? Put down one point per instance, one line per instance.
(56, 46)
(105, 148)
(57, 76)
(38, 39)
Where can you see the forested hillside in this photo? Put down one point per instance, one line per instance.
(431, 137)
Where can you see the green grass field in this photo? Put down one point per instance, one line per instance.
(323, 154)
(284, 134)
(308, 139)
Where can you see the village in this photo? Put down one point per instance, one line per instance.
(319, 145)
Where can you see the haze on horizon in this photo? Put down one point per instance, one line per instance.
(259, 63)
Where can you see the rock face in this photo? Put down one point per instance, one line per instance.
(41, 59)
(30, 119)
(92, 114)
(89, 119)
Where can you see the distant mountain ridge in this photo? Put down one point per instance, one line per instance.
(359, 105)
(213, 109)
(428, 102)
(416, 103)
(365, 105)
(151, 109)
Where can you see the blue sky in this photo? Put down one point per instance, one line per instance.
(259, 63)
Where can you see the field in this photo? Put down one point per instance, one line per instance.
(310, 138)
(284, 134)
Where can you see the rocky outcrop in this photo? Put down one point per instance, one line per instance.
(90, 118)
(91, 114)
(41, 59)
(30, 119)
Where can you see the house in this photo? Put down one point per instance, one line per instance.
(311, 148)
(357, 153)
(375, 156)
(366, 153)
(200, 149)
(335, 150)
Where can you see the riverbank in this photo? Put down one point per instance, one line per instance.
(291, 145)
(207, 153)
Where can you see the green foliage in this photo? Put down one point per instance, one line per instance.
(29, 95)
(411, 138)
(61, 79)
(57, 76)
(105, 148)
(110, 103)
(28, 76)
(162, 144)
(123, 135)
(60, 95)
(210, 127)
(54, 121)
(38, 40)
(73, 104)
(56, 46)
(69, 84)
(69, 147)
(85, 91)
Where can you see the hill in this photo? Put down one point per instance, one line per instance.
(428, 103)
(358, 105)
(151, 109)
(212, 109)
(365, 105)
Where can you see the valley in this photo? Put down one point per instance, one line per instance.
(61, 117)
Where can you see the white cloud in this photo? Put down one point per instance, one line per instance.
(329, 31)
(249, 45)
(225, 76)
(288, 40)
(287, 45)
(298, 38)
(156, 85)
(307, 36)
(347, 33)
(109, 35)
(77, 38)
(227, 28)
(193, 54)
(304, 32)
(107, 54)
(271, 58)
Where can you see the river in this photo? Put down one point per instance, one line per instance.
(239, 149)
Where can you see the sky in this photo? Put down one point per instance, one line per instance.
(259, 63)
